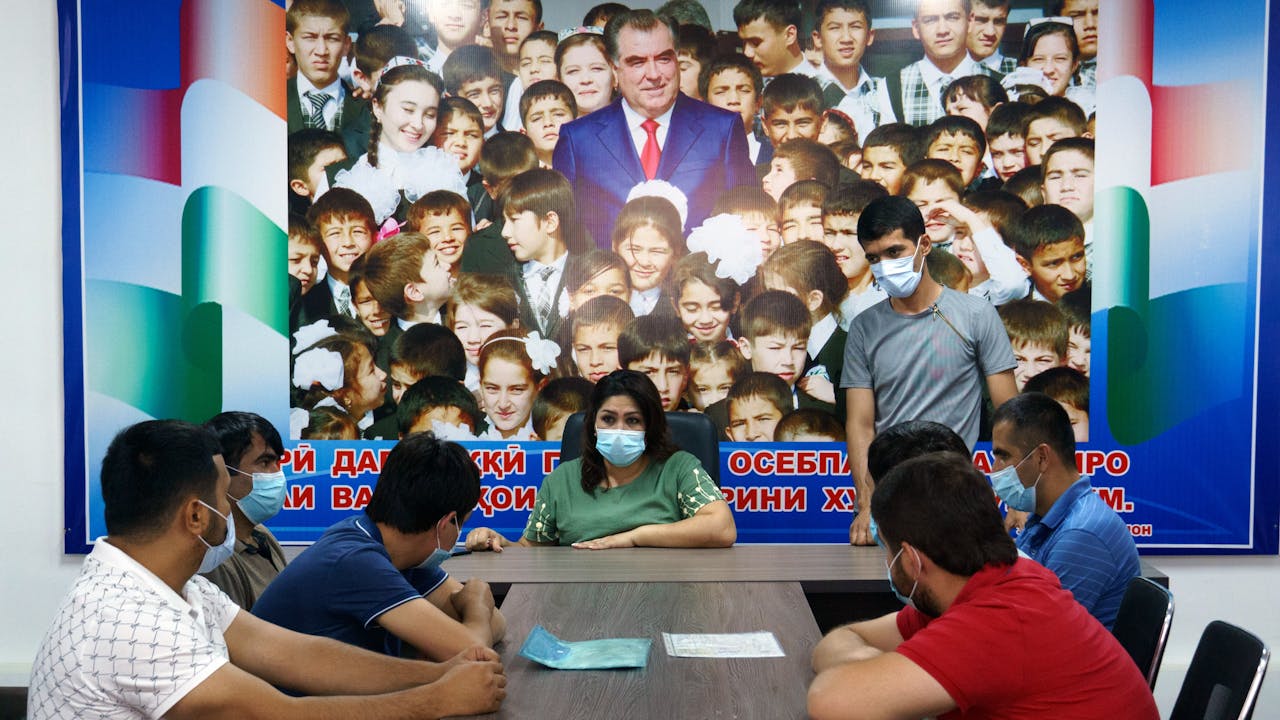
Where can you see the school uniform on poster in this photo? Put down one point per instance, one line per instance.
(534, 282)
(341, 106)
(826, 357)
(922, 85)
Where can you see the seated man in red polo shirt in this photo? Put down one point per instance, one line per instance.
(985, 634)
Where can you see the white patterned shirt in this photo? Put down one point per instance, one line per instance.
(124, 645)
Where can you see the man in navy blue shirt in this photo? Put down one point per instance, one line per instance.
(1071, 530)
(374, 579)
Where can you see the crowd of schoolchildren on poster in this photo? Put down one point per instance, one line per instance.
(432, 289)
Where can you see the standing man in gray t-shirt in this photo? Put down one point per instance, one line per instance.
(920, 355)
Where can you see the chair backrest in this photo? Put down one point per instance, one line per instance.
(1224, 677)
(1142, 624)
(692, 432)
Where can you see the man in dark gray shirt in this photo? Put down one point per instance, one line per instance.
(922, 354)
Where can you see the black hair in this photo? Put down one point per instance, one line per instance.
(910, 439)
(778, 13)
(943, 506)
(884, 215)
(603, 10)
(1044, 225)
(903, 138)
(468, 64)
(235, 431)
(658, 445)
(435, 391)
(431, 349)
(955, 125)
(150, 469)
(686, 12)
(1008, 118)
(560, 397)
(825, 6)
(1036, 418)
(423, 479)
(656, 333)
(640, 20)
(305, 144)
(853, 197)
(730, 61)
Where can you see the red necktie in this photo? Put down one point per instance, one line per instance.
(650, 154)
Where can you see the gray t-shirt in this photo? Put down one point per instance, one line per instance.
(922, 368)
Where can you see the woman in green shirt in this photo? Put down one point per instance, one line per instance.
(631, 487)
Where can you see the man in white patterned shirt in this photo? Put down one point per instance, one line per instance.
(942, 27)
(141, 636)
(843, 30)
(988, 20)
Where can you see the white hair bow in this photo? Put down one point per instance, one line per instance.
(318, 366)
(733, 249)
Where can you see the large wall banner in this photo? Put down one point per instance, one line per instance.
(189, 286)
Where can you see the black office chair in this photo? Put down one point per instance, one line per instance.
(692, 432)
(1142, 624)
(1225, 675)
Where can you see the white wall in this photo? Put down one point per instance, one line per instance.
(36, 575)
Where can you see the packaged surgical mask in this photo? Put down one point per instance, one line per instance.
(546, 649)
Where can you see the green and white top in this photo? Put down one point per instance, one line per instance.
(665, 492)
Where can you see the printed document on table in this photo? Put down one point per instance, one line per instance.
(722, 645)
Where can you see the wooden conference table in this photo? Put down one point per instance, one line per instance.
(643, 592)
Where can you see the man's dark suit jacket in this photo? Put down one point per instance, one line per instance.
(704, 154)
(297, 118)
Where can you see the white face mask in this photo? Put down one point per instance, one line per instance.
(898, 277)
(215, 555)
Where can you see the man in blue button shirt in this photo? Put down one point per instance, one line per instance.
(1071, 530)
(374, 579)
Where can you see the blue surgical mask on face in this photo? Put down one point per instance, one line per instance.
(215, 555)
(438, 555)
(265, 499)
(908, 600)
(1009, 487)
(620, 447)
(898, 277)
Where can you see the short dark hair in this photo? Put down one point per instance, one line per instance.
(655, 333)
(775, 312)
(559, 397)
(305, 144)
(808, 421)
(932, 170)
(810, 159)
(422, 480)
(1035, 419)
(943, 506)
(1026, 184)
(340, 204)
(150, 469)
(434, 391)
(982, 89)
(825, 6)
(430, 349)
(852, 198)
(883, 216)
(544, 89)
(955, 125)
(729, 61)
(903, 138)
(906, 440)
(789, 92)
(506, 155)
(657, 437)
(1008, 119)
(1061, 109)
(1066, 385)
(1035, 322)
(686, 12)
(641, 20)
(333, 9)
(468, 64)
(603, 11)
(378, 44)
(697, 41)
(764, 385)
(235, 431)
(778, 13)
(1044, 225)
(1037, 32)
(1082, 145)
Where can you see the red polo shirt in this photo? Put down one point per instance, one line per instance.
(1014, 644)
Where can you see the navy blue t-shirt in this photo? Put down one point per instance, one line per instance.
(339, 587)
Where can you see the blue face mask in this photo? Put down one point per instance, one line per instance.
(620, 447)
(1009, 487)
(438, 555)
(215, 555)
(908, 600)
(265, 499)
